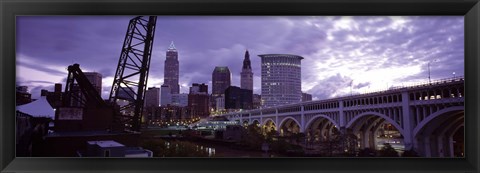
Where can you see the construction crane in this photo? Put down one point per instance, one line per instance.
(131, 77)
(129, 86)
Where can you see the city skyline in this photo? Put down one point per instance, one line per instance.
(367, 53)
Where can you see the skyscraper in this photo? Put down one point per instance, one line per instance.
(246, 76)
(281, 79)
(171, 69)
(221, 80)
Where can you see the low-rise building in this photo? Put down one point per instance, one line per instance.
(110, 148)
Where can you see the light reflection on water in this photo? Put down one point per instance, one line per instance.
(199, 148)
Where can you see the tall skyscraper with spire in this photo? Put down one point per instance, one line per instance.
(171, 69)
(246, 76)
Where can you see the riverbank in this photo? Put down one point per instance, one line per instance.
(214, 147)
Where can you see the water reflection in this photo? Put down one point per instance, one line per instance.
(182, 149)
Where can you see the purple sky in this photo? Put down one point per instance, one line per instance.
(370, 52)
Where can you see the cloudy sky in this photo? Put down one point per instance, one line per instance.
(343, 55)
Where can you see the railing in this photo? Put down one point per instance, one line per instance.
(411, 86)
(391, 89)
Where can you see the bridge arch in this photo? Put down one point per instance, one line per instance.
(269, 124)
(267, 120)
(288, 119)
(431, 136)
(320, 128)
(314, 118)
(389, 120)
(255, 121)
(432, 117)
(245, 123)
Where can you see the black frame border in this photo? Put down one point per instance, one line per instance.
(11, 8)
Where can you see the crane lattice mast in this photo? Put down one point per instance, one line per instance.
(130, 80)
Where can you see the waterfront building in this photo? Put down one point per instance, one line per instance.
(246, 76)
(198, 100)
(171, 70)
(281, 79)
(213, 123)
(306, 97)
(168, 115)
(111, 148)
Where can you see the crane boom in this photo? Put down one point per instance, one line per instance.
(131, 77)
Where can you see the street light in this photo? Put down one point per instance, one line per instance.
(453, 74)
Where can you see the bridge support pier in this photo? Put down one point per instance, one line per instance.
(450, 144)
(408, 122)
(427, 148)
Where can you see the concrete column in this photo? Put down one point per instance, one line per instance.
(428, 152)
(276, 121)
(341, 115)
(362, 139)
(371, 139)
(302, 119)
(366, 137)
(450, 146)
(261, 119)
(322, 130)
(440, 148)
(408, 122)
(418, 145)
(250, 118)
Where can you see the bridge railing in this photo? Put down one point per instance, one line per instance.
(391, 89)
(411, 86)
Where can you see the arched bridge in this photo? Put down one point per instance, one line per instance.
(427, 116)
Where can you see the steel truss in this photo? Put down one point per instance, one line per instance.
(130, 80)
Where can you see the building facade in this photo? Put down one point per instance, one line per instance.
(306, 97)
(171, 70)
(180, 99)
(246, 76)
(281, 79)
(152, 97)
(256, 101)
(220, 103)
(166, 115)
(166, 96)
(237, 98)
(55, 97)
(198, 100)
(221, 80)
